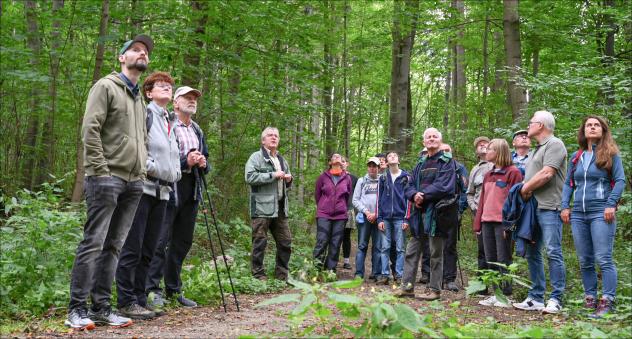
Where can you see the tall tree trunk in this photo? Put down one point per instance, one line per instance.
(191, 68)
(485, 68)
(77, 190)
(459, 64)
(608, 50)
(34, 43)
(314, 152)
(499, 76)
(403, 33)
(327, 77)
(136, 18)
(511, 30)
(345, 94)
(48, 137)
(627, 99)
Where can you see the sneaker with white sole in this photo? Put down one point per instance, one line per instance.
(499, 303)
(78, 319)
(106, 316)
(552, 307)
(489, 301)
(529, 305)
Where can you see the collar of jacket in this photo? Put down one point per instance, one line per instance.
(266, 156)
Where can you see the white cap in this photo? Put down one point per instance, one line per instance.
(184, 90)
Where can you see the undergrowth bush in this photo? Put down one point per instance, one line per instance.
(39, 239)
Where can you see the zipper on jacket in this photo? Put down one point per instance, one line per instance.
(584, 195)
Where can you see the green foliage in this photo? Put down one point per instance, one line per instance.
(494, 279)
(39, 239)
(338, 314)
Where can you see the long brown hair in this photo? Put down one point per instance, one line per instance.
(503, 155)
(606, 147)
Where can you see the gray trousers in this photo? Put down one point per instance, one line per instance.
(111, 203)
(411, 262)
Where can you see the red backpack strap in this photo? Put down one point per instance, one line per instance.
(574, 162)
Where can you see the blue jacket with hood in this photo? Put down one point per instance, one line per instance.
(593, 191)
(391, 201)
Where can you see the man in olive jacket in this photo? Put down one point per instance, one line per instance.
(269, 177)
(115, 151)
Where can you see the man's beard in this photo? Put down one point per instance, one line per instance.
(139, 66)
(188, 111)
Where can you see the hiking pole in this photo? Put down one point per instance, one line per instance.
(219, 238)
(208, 232)
(458, 262)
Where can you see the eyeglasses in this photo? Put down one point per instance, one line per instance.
(533, 122)
(163, 86)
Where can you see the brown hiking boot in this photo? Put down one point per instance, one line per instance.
(430, 294)
(402, 293)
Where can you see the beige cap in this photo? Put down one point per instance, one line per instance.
(374, 160)
(479, 139)
(184, 90)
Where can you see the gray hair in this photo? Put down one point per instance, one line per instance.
(268, 129)
(546, 118)
(432, 129)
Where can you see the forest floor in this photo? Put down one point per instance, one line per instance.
(272, 320)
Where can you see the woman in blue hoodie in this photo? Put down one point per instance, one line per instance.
(595, 180)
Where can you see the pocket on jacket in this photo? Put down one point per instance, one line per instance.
(501, 184)
(263, 204)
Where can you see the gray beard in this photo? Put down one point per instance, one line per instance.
(187, 111)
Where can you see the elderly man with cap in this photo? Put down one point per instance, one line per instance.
(475, 185)
(115, 152)
(522, 146)
(365, 202)
(183, 207)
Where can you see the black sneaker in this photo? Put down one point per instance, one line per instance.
(135, 311)
(105, 316)
(78, 319)
(346, 266)
(451, 286)
(425, 278)
(182, 300)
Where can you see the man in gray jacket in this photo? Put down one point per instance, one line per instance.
(269, 177)
(114, 138)
(365, 202)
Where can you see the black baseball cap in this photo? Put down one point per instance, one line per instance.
(142, 38)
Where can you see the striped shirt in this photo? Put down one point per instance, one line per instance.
(187, 139)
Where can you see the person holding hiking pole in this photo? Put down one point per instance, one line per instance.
(181, 210)
(269, 177)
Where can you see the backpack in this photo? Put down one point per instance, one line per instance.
(574, 162)
(150, 119)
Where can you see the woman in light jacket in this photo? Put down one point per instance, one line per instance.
(163, 171)
(332, 192)
(595, 181)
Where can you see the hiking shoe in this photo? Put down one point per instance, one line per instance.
(605, 306)
(425, 278)
(373, 278)
(451, 286)
(402, 293)
(590, 302)
(382, 280)
(78, 319)
(430, 295)
(156, 300)
(397, 280)
(552, 307)
(529, 305)
(184, 301)
(135, 311)
(489, 301)
(106, 316)
(346, 266)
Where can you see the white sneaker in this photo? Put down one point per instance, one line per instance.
(552, 307)
(499, 303)
(529, 305)
(489, 301)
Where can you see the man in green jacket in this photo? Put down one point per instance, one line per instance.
(115, 151)
(269, 177)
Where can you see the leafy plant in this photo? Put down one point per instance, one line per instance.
(495, 279)
(336, 313)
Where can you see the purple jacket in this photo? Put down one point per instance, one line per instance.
(332, 199)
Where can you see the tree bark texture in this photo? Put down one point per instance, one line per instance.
(511, 29)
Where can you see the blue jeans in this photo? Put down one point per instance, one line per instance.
(365, 232)
(551, 238)
(376, 261)
(392, 229)
(594, 238)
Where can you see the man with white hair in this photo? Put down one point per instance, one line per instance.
(183, 206)
(432, 190)
(269, 177)
(544, 177)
